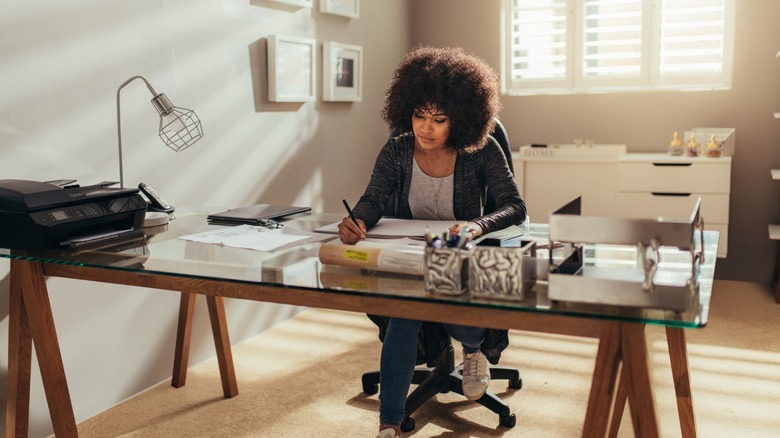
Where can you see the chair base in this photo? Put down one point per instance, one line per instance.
(444, 378)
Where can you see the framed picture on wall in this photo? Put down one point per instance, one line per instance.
(347, 8)
(291, 69)
(342, 72)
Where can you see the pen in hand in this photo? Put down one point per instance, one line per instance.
(351, 215)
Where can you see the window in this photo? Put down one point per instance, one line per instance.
(580, 46)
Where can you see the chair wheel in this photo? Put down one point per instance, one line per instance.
(370, 388)
(515, 383)
(408, 424)
(508, 420)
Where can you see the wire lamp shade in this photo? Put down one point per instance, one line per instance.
(180, 128)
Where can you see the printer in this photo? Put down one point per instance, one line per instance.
(40, 215)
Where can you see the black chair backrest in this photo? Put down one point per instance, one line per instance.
(499, 134)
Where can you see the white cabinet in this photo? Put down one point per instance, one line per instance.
(548, 184)
(660, 185)
(631, 185)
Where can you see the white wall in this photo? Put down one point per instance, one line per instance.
(61, 64)
(646, 121)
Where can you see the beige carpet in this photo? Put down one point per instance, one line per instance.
(302, 379)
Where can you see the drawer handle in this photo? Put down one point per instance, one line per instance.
(682, 195)
(673, 164)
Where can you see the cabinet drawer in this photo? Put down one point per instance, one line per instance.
(714, 208)
(675, 177)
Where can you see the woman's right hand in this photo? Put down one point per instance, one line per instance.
(349, 232)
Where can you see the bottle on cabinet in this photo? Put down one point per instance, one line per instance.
(692, 146)
(713, 148)
(676, 145)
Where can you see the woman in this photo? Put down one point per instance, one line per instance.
(443, 166)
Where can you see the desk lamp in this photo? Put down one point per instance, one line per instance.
(180, 128)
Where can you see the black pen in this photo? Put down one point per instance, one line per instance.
(351, 215)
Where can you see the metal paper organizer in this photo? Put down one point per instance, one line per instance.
(643, 283)
(484, 271)
(502, 272)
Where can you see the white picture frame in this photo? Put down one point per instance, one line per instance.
(346, 8)
(342, 72)
(291, 69)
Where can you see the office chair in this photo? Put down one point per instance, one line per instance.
(446, 376)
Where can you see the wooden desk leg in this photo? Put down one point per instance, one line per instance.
(222, 343)
(35, 302)
(602, 390)
(621, 398)
(17, 411)
(678, 354)
(638, 383)
(181, 353)
(626, 343)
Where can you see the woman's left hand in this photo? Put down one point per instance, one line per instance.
(472, 228)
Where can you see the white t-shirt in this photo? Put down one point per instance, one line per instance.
(430, 197)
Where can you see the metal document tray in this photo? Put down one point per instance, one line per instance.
(660, 269)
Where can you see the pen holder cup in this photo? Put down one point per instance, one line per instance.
(445, 270)
(502, 272)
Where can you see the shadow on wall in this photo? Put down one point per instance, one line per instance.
(272, 4)
(258, 65)
(301, 163)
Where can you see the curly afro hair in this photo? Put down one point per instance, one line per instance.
(463, 86)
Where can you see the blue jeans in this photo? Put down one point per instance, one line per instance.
(399, 357)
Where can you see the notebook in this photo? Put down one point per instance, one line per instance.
(256, 214)
(394, 228)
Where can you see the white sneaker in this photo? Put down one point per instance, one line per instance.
(388, 433)
(476, 375)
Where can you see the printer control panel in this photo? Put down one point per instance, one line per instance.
(89, 210)
(69, 213)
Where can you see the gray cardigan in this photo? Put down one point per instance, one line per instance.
(481, 177)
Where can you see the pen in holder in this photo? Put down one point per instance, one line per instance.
(445, 270)
(499, 272)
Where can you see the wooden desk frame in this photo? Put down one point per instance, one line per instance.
(621, 372)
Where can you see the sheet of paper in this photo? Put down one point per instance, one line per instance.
(393, 227)
(255, 237)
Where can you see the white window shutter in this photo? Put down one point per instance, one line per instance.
(569, 46)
